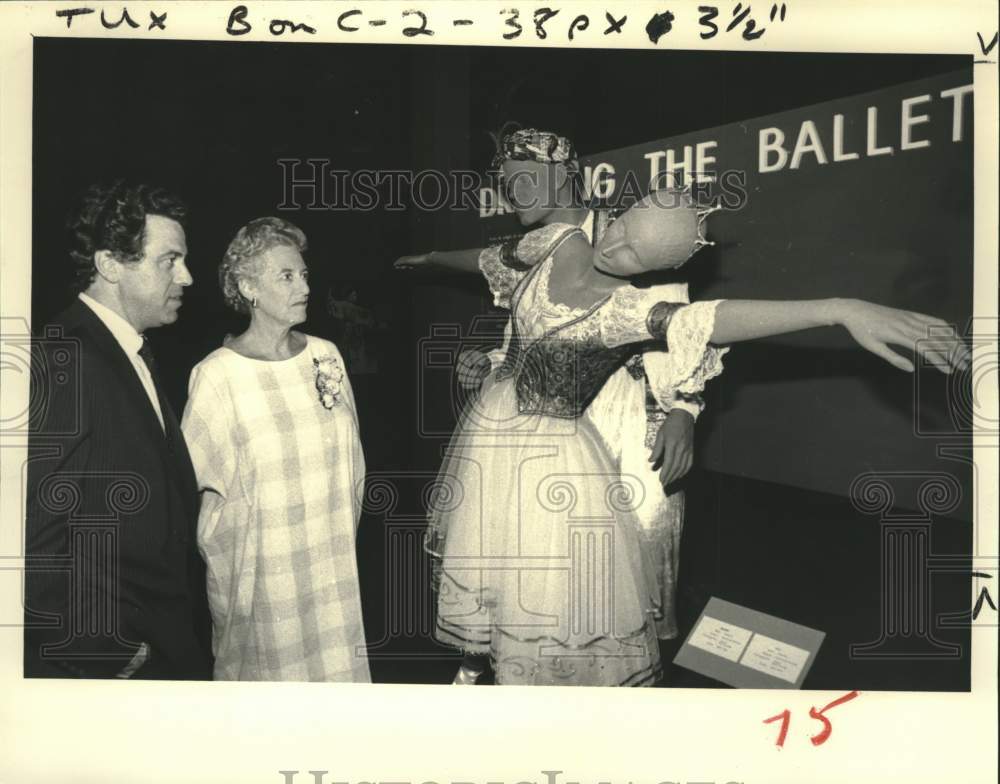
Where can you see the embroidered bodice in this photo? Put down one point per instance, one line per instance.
(561, 356)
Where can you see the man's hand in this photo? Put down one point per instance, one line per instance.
(472, 367)
(673, 450)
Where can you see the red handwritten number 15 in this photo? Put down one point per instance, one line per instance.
(821, 737)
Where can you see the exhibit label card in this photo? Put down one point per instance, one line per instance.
(720, 638)
(776, 658)
(749, 649)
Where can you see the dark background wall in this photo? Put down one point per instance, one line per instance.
(211, 120)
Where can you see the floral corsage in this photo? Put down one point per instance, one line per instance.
(329, 380)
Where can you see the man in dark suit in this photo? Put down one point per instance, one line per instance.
(114, 584)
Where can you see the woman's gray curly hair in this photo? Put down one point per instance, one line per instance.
(241, 261)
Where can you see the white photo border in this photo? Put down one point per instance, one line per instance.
(173, 732)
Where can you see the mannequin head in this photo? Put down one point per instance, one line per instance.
(660, 232)
(539, 172)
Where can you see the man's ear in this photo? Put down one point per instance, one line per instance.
(108, 267)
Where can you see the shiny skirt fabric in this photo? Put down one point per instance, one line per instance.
(537, 551)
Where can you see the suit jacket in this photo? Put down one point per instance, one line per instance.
(113, 573)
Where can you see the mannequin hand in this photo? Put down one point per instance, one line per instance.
(416, 261)
(875, 327)
(673, 449)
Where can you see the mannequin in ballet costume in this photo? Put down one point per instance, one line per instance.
(577, 321)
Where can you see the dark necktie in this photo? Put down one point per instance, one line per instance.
(177, 451)
(169, 423)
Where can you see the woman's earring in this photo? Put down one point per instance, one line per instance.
(253, 303)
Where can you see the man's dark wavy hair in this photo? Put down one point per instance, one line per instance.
(113, 218)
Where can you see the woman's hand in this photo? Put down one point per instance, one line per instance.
(416, 261)
(673, 450)
(876, 327)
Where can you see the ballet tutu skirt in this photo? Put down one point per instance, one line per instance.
(537, 550)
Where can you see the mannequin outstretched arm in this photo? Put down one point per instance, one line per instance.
(466, 260)
(874, 327)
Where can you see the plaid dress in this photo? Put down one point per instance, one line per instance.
(282, 474)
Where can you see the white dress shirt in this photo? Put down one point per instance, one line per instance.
(131, 342)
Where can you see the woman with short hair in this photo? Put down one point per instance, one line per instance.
(273, 433)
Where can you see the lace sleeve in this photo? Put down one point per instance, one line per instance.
(505, 265)
(500, 275)
(634, 315)
(537, 245)
(690, 361)
(662, 395)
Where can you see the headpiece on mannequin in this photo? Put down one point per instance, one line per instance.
(530, 144)
(660, 232)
